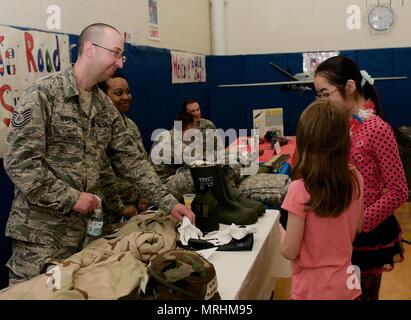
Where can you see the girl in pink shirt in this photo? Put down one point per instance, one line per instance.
(324, 204)
(374, 152)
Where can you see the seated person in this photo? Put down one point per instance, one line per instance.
(217, 153)
(118, 90)
(173, 174)
(192, 106)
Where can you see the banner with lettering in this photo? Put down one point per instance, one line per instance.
(187, 67)
(26, 55)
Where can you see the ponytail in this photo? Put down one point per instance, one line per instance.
(369, 92)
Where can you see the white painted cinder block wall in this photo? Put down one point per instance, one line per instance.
(267, 26)
(251, 26)
(184, 24)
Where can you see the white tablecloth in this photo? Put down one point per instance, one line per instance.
(251, 274)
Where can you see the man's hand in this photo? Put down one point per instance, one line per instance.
(86, 203)
(180, 210)
(129, 211)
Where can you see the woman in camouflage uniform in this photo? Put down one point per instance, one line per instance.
(118, 90)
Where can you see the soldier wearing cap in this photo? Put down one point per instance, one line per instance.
(61, 133)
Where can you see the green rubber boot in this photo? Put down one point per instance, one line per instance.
(235, 196)
(257, 206)
(212, 178)
(205, 206)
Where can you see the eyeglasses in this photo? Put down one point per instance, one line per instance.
(116, 52)
(325, 94)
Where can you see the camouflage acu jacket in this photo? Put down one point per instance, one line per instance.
(213, 153)
(204, 124)
(135, 133)
(167, 146)
(127, 190)
(57, 147)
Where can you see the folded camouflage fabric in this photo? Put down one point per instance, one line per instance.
(98, 274)
(267, 188)
(109, 267)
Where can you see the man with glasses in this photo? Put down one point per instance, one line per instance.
(116, 52)
(61, 134)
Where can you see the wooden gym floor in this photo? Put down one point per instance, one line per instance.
(395, 285)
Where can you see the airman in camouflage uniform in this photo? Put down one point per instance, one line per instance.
(118, 90)
(204, 125)
(127, 190)
(175, 176)
(166, 143)
(57, 157)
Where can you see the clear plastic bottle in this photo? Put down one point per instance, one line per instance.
(94, 225)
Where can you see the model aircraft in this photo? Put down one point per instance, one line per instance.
(300, 82)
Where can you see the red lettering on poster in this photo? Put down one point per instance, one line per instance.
(6, 106)
(28, 40)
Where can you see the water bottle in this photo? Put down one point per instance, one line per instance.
(94, 225)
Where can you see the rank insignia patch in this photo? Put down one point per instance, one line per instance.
(21, 119)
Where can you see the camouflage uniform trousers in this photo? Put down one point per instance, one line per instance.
(29, 259)
(267, 188)
(179, 184)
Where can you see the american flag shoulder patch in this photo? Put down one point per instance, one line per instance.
(21, 119)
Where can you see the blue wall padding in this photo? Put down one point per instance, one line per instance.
(156, 101)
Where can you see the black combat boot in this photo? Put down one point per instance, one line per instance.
(211, 178)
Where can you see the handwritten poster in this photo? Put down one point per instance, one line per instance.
(268, 119)
(187, 67)
(26, 55)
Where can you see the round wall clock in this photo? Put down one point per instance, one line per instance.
(381, 17)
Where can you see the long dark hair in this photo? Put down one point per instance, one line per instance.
(338, 70)
(323, 145)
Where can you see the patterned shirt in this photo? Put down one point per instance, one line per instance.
(374, 151)
(127, 190)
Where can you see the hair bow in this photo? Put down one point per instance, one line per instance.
(366, 77)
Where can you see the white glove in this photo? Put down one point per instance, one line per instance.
(238, 233)
(221, 237)
(218, 238)
(188, 231)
